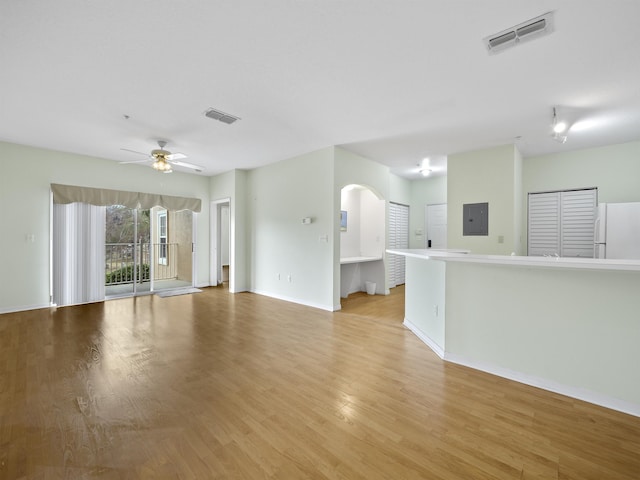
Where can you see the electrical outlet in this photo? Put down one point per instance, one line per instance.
(435, 310)
(278, 276)
(289, 278)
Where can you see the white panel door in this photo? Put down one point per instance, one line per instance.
(436, 226)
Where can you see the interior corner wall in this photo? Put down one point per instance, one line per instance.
(288, 259)
(399, 190)
(426, 191)
(25, 185)
(613, 169)
(477, 177)
(519, 215)
(233, 185)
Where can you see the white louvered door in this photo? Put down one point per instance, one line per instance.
(561, 223)
(398, 238)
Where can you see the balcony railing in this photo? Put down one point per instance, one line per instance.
(120, 259)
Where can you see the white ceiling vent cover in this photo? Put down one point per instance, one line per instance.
(529, 30)
(221, 116)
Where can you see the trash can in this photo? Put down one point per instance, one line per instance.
(371, 287)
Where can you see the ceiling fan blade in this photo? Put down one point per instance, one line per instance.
(187, 165)
(134, 151)
(136, 161)
(175, 156)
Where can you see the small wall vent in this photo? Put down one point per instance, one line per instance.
(221, 116)
(529, 30)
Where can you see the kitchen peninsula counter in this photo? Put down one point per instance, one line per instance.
(569, 325)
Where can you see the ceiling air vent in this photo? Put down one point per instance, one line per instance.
(534, 28)
(220, 116)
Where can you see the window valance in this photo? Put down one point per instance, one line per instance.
(101, 196)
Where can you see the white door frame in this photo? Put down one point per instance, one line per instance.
(215, 273)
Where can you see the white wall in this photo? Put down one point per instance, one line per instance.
(26, 175)
(483, 176)
(350, 239)
(365, 234)
(280, 196)
(372, 225)
(427, 191)
(224, 234)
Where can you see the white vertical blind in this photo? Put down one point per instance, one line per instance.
(544, 224)
(577, 223)
(78, 253)
(398, 238)
(561, 223)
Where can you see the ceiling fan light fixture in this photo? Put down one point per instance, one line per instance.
(161, 165)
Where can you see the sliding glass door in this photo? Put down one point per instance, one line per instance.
(147, 250)
(128, 256)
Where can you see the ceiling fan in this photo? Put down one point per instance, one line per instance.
(163, 159)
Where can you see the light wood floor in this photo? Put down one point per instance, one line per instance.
(214, 385)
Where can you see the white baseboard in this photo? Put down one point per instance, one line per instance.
(570, 391)
(329, 308)
(430, 343)
(23, 308)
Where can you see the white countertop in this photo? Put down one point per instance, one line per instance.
(450, 255)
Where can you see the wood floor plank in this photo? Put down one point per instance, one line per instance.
(215, 385)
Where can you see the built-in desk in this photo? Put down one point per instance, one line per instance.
(347, 260)
(355, 271)
(569, 325)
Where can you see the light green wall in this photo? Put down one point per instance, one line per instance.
(574, 328)
(399, 189)
(483, 176)
(614, 169)
(427, 191)
(519, 245)
(25, 180)
(280, 195)
(426, 310)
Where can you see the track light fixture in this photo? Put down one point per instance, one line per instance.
(559, 128)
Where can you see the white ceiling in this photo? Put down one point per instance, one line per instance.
(393, 80)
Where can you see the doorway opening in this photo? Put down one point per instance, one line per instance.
(362, 241)
(222, 273)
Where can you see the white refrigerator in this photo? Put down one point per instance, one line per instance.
(617, 231)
